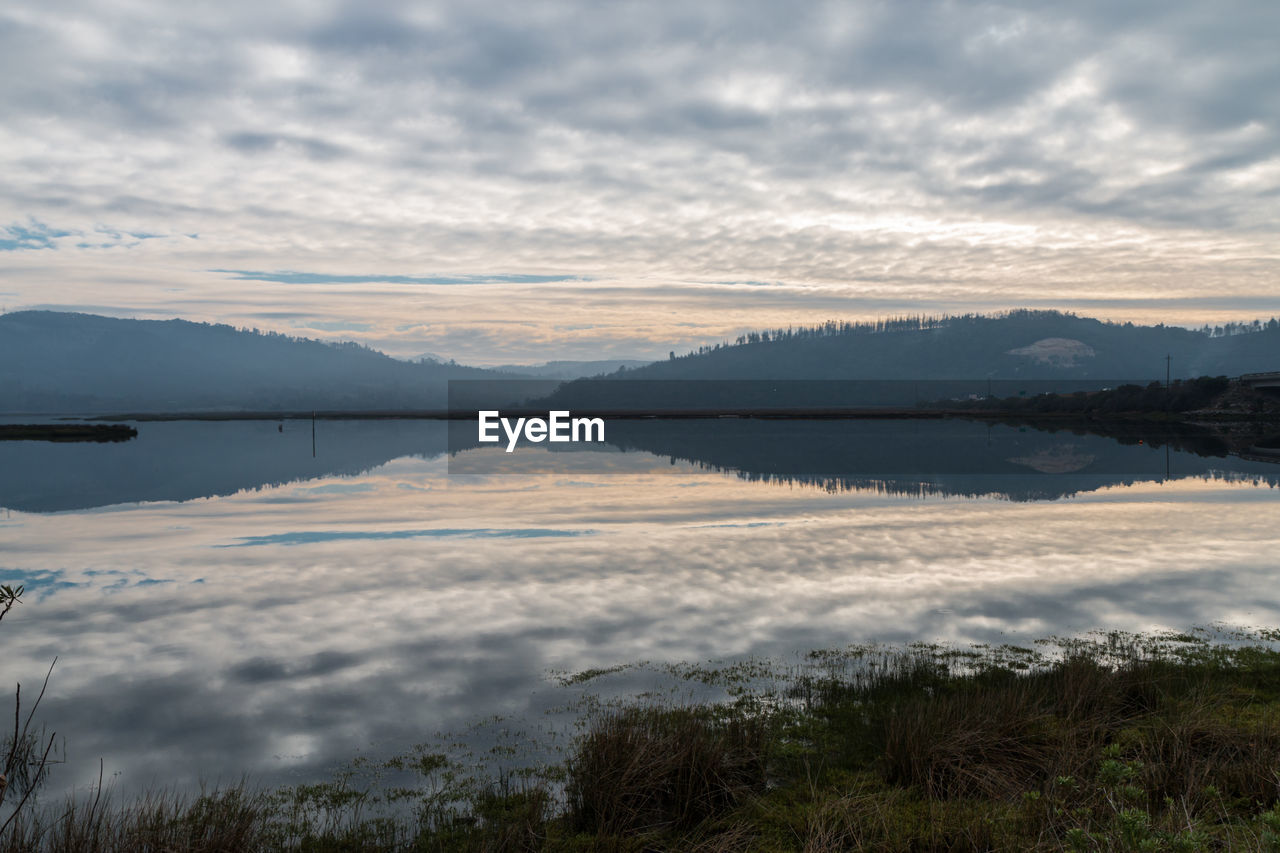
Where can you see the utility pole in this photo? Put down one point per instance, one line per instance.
(1168, 360)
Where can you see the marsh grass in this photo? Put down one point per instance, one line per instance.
(231, 819)
(1164, 742)
(643, 769)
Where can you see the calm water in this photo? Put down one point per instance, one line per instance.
(221, 602)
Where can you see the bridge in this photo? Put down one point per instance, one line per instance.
(1262, 380)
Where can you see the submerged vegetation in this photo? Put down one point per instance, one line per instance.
(1113, 743)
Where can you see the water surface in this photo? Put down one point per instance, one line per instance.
(223, 602)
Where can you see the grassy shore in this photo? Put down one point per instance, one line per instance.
(1115, 743)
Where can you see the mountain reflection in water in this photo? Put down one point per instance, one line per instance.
(185, 460)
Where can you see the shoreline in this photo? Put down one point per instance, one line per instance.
(1193, 418)
(1107, 741)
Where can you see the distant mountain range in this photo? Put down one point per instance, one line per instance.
(63, 362)
(572, 369)
(564, 370)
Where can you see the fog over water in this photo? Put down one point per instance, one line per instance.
(221, 602)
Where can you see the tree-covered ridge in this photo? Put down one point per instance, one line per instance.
(831, 328)
(1018, 343)
(1227, 329)
(921, 322)
(56, 361)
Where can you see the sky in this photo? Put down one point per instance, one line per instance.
(521, 181)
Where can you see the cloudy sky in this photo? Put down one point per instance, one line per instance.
(499, 181)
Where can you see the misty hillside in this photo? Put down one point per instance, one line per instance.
(1018, 345)
(62, 362)
(571, 369)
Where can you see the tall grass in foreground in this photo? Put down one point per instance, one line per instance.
(1124, 743)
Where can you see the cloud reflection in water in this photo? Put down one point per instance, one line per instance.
(367, 618)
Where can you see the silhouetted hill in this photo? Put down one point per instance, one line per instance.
(52, 361)
(1017, 345)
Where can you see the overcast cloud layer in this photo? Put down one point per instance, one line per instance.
(495, 181)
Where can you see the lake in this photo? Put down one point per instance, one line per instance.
(221, 601)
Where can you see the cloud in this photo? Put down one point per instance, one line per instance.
(324, 278)
(322, 651)
(38, 235)
(312, 537)
(972, 152)
(35, 235)
(254, 143)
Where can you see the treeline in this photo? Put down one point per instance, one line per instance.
(61, 362)
(1182, 395)
(838, 328)
(833, 328)
(1228, 329)
(920, 323)
(268, 334)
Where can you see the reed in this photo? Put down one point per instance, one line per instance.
(1125, 743)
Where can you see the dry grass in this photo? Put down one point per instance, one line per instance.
(996, 740)
(640, 770)
(228, 820)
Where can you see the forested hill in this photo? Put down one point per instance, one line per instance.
(63, 362)
(1017, 345)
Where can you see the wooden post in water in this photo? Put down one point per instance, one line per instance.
(313, 434)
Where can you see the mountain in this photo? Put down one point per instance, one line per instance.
(572, 369)
(64, 362)
(1017, 345)
(61, 362)
(428, 356)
